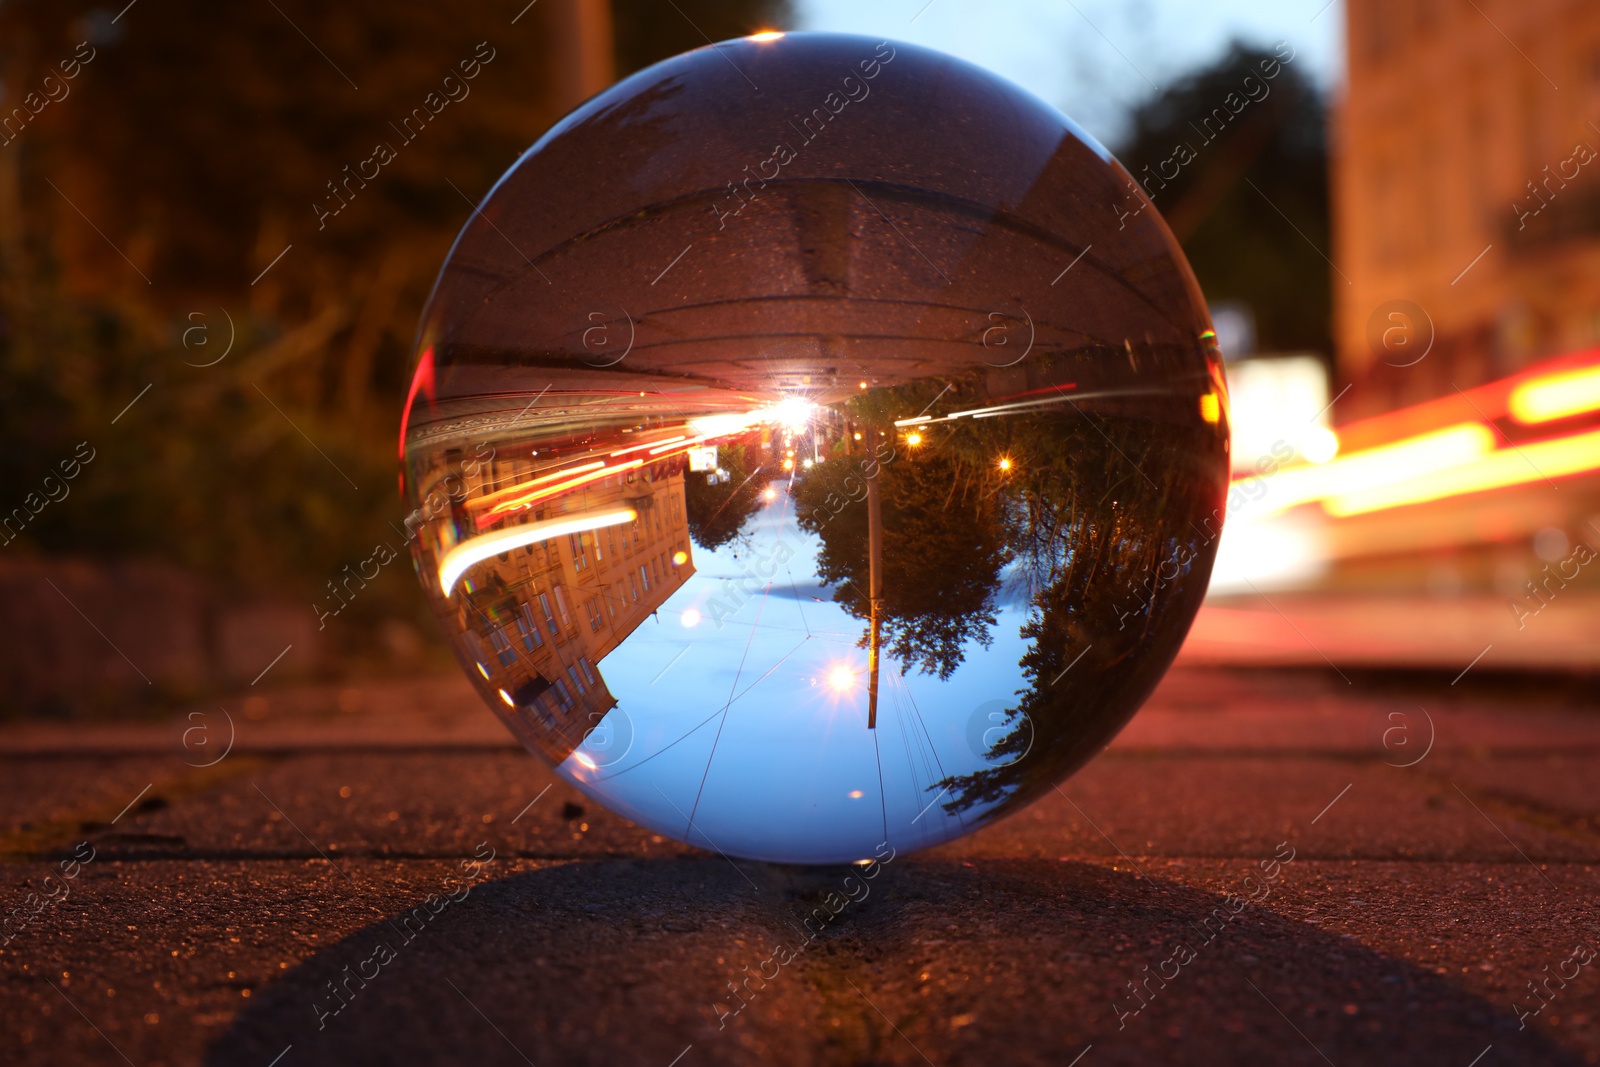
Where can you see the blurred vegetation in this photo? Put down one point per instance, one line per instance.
(718, 512)
(1224, 204)
(139, 211)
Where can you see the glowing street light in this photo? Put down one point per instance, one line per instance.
(769, 493)
(913, 439)
(793, 413)
(1005, 463)
(679, 558)
(690, 618)
(841, 679)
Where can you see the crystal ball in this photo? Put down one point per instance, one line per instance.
(817, 448)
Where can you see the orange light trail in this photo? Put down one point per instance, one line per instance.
(1556, 396)
(522, 487)
(687, 443)
(459, 559)
(1540, 394)
(1504, 468)
(1414, 457)
(647, 444)
(551, 490)
(1445, 447)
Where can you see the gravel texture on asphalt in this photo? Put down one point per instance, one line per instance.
(348, 894)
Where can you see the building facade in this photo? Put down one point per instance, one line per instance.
(533, 623)
(1466, 193)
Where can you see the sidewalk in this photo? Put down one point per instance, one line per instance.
(1350, 631)
(1407, 909)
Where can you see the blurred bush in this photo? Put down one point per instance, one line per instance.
(138, 209)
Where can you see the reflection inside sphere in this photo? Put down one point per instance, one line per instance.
(815, 443)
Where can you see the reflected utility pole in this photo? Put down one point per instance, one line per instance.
(874, 584)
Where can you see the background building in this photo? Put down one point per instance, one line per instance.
(1467, 185)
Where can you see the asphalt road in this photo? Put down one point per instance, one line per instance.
(262, 910)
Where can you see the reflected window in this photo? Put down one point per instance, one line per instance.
(502, 647)
(530, 629)
(549, 615)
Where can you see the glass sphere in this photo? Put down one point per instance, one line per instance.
(817, 447)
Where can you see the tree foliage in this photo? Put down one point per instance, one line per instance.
(718, 511)
(1225, 203)
(943, 550)
(139, 215)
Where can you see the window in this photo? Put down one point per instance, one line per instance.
(644, 576)
(562, 694)
(596, 618)
(561, 606)
(588, 670)
(502, 647)
(530, 630)
(580, 557)
(633, 584)
(549, 615)
(577, 682)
